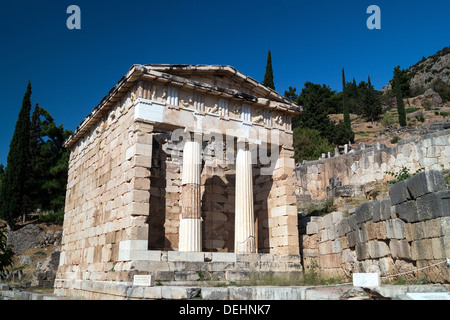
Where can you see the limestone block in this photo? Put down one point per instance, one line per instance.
(323, 235)
(400, 249)
(352, 239)
(371, 231)
(380, 230)
(376, 212)
(409, 232)
(422, 249)
(395, 229)
(331, 233)
(398, 193)
(438, 247)
(362, 251)
(330, 261)
(431, 205)
(432, 228)
(336, 217)
(377, 249)
(310, 242)
(186, 256)
(343, 228)
(282, 211)
(352, 222)
(320, 223)
(407, 211)
(364, 212)
(140, 196)
(362, 234)
(337, 246)
(326, 247)
(426, 182)
(311, 228)
(138, 209)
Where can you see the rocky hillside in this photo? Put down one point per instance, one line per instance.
(428, 71)
(36, 247)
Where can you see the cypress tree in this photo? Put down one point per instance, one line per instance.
(347, 122)
(13, 188)
(268, 76)
(399, 97)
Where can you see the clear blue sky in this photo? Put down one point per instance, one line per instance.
(72, 70)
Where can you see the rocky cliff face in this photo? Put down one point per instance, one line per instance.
(435, 67)
(425, 72)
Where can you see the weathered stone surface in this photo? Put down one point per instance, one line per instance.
(426, 182)
(385, 209)
(398, 193)
(400, 249)
(352, 222)
(29, 236)
(362, 251)
(430, 206)
(343, 228)
(364, 212)
(407, 211)
(378, 249)
(395, 229)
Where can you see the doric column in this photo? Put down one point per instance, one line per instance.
(190, 235)
(244, 238)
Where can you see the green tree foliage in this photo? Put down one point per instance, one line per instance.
(341, 134)
(49, 161)
(291, 94)
(346, 111)
(369, 101)
(309, 144)
(403, 80)
(268, 76)
(398, 80)
(315, 100)
(13, 192)
(36, 172)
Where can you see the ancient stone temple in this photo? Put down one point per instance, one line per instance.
(180, 172)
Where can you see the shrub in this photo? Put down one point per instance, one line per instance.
(309, 144)
(403, 174)
(54, 217)
(6, 255)
(395, 139)
(420, 118)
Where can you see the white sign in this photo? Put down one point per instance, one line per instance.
(428, 295)
(367, 280)
(142, 280)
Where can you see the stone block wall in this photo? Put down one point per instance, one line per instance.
(107, 198)
(408, 231)
(430, 151)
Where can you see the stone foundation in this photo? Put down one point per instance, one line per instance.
(167, 266)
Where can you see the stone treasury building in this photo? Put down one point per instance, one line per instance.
(181, 170)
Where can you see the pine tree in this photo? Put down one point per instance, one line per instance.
(268, 76)
(369, 101)
(399, 96)
(347, 122)
(14, 191)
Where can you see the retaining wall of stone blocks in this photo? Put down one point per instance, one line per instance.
(430, 151)
(407, 231)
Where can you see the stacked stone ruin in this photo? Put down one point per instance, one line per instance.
(408, 231)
